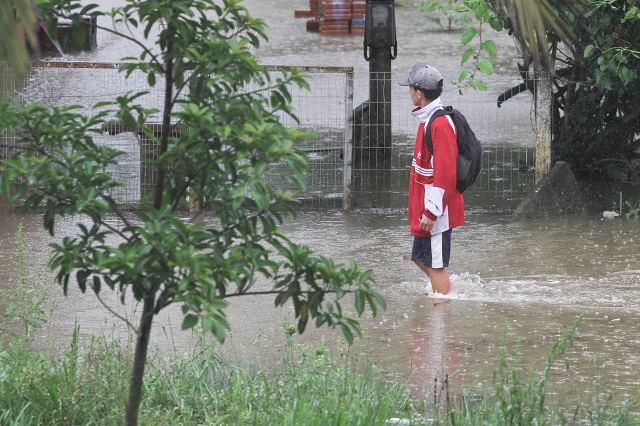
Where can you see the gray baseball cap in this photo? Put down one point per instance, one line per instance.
(422, 76)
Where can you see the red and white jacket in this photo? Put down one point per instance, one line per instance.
(432, 182)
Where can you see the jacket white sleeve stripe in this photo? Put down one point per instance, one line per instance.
(420, 170)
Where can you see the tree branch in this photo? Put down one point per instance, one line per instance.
(134, 40)
(270, 292)
(114, 313)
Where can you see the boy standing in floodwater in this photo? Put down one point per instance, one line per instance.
(436, 207)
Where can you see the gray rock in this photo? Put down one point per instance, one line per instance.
(558, 193)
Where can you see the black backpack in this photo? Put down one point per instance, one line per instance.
(469, 148)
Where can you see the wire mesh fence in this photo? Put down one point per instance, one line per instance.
(7, 90)
(507, 133)
(358, 155)
(325, 112)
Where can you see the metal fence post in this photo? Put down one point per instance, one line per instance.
(348, 142)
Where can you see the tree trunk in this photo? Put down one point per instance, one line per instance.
(140, 360)
(166, 123)
(142, 344)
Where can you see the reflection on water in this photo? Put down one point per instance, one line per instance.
(529, 280)
(429, 355)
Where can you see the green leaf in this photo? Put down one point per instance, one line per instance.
(589, 50)
(359, 302)
(625, 74)
(346, 332)
(49, 216)
(429, 7)
(88, 8)
(110, 282)
(5, 185)
(430, 20)
(496, 24)
(485, 66)
(81, 277)
(490, 47)
(189, 321)
(365, 276)
(304, 317)
(78, 32)
(463, 74)
(468, 35)
(480, 85)
(466, 55)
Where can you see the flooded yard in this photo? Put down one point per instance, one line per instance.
(525, 281)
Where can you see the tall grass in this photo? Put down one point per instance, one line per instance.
(519, 396)
(25, 304)
(89, 386)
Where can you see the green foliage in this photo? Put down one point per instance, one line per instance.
(17, 18)
(476, 58)
(599, 103)
(522, 401)
(219, 139)
(519, 396)
(592, 49)
(612, 50)
(453, 13)
(228, 140)
(87, 385)
(632, 210)
(484, 50)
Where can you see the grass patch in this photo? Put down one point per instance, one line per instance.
(89, 386)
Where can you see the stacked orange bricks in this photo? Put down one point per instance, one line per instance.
(335, 17)
(358, 8)
(313, 12)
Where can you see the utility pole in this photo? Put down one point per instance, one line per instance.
(372, 154)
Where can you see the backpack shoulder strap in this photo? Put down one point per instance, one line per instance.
(427, 132)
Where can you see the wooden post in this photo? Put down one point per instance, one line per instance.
(543, 103)
(194, 202)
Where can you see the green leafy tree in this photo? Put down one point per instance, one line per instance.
(595, 68)
(17, 26)
(218, 141)
(592, 50)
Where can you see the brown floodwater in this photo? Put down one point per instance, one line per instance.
(520, 281)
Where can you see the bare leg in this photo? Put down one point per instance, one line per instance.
(439, 278)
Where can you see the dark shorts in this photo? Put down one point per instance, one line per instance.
(433, 251)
